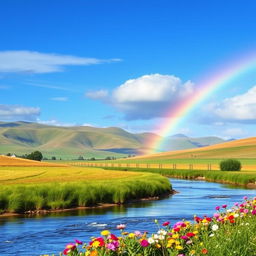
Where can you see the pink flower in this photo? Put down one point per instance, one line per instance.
(113, 246)
(246, 210)
(224, 206)
(245, 197)
(137, 233)
(254, 212)
(216, 215)
(184, 237)
(121, 226)
(144, 243)
(217, 208)
(78, 242)
(167, 223)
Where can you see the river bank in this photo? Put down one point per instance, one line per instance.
(243, 179)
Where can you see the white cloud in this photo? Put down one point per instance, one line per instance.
(18, 113)
(240, 108)
(54, 122)
(59, 98)
(36, 62)
(148, 96)
(233, 132)
(101, 94)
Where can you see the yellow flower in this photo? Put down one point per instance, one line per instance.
(193, 252)
(158, 246)
(195, 232)
(177, 242)
(170, 243)
(105, 233)
(96, 244)
(131, 235)
(201, 243)
(178, 247)
(175, 236)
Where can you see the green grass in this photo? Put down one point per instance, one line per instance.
(236, 178)
(33, 188)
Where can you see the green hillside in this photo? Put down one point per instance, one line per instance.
(68, 142)
(71, 142)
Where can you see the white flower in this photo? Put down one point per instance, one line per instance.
(215, 227)
(151, 240)
(211, 235)
(155, 236)
(236, 215)
(162, 232)
(161, 237)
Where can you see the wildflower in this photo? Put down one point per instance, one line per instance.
(131, 235)
(245, 197)
(215, 227)
(224, 206)
(179, 247)
(78, 242)
(112, 237)
(192, 252)
(105, 233)
(167, 223)
(162, 232)
(144, 243)
(190, 234)
(113, 246)
(184, 237)
(217, 208)
(137, 233)
(121, 226)
(151, 240)
(204, 251)
(253, 212)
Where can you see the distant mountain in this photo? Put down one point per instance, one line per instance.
(71, 142)
(181, 141)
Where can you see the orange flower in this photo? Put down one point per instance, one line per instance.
(204, 251)
(94, 253)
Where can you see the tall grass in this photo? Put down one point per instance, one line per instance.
(20, 198)
(235, 178)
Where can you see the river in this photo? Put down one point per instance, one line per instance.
(32, 236)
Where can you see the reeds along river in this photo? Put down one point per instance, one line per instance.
(49, 234)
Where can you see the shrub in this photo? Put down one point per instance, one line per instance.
(230, 165)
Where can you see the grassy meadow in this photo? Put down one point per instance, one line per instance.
(36, 188)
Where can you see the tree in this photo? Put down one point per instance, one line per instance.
(80, 158)
(36, 155)
(53, 157)
(230, 165)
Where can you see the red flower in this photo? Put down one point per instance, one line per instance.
(190, 234)
(166, 223)
(197, 219)
(176, 229)
(113, 237)
(204, 251)
(224, 206)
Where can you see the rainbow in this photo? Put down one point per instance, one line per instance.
(214, 81)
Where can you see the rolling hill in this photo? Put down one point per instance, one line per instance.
(242, 148)
(71, 142)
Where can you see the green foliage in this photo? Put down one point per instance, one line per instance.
(22, 198)
(36, 155)
(230, 165)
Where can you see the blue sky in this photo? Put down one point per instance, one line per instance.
(124, 63)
